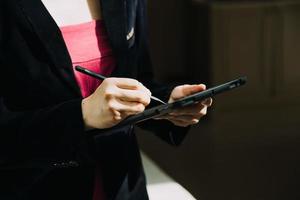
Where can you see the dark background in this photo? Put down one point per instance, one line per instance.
(248, 147)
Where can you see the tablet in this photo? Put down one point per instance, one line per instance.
(186, 101)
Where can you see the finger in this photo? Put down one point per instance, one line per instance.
(195, 109)
(139, 96)
(131, 84)
(186, 118)
(207, 102)
(162, 117)
(125, 106)
(125, 83)
(186, 90)
(134, 111)
(126, 114)
(180, 123)
(191, 89)
(117, 115)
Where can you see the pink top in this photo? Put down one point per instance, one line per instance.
(89, 47)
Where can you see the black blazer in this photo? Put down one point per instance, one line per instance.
(44, 151)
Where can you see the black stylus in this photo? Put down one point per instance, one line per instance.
(101, 77)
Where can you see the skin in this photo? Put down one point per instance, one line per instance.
(188, 115)
(114, 100)
(117, 98)
(95, 9)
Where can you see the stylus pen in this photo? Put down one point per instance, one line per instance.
(101, 77)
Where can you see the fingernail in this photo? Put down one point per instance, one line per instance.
(195, 121)
(117, 118)
(204, 86)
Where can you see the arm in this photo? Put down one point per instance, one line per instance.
(173, 127)
(49, 133)
(164, 129)
(52, 133)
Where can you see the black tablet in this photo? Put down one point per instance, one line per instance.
(186, 101)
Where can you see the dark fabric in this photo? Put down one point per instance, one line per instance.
(44, 151)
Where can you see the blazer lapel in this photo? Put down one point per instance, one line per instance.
(114, 16)
(50, 36)
(120, 32)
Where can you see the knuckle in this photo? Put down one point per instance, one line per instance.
(140, 98)
(138, 83)
(110, 105)
(106, 81)
(135, 82)
(109, 80)
(109, 93)
(132, 82)
(140, 108)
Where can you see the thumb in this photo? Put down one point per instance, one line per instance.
(191, 89)
(186, 90)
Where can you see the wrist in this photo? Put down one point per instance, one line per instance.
(85, 114)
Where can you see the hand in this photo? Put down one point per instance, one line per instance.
(114, 100)
(191, 114)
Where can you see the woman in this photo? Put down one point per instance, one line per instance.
(53, 121)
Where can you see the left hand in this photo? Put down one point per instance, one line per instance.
(191, 114)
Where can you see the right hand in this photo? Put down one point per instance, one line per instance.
(114, 100)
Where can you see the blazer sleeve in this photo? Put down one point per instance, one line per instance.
(164, 129)
(50, 133)
(46, 134)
